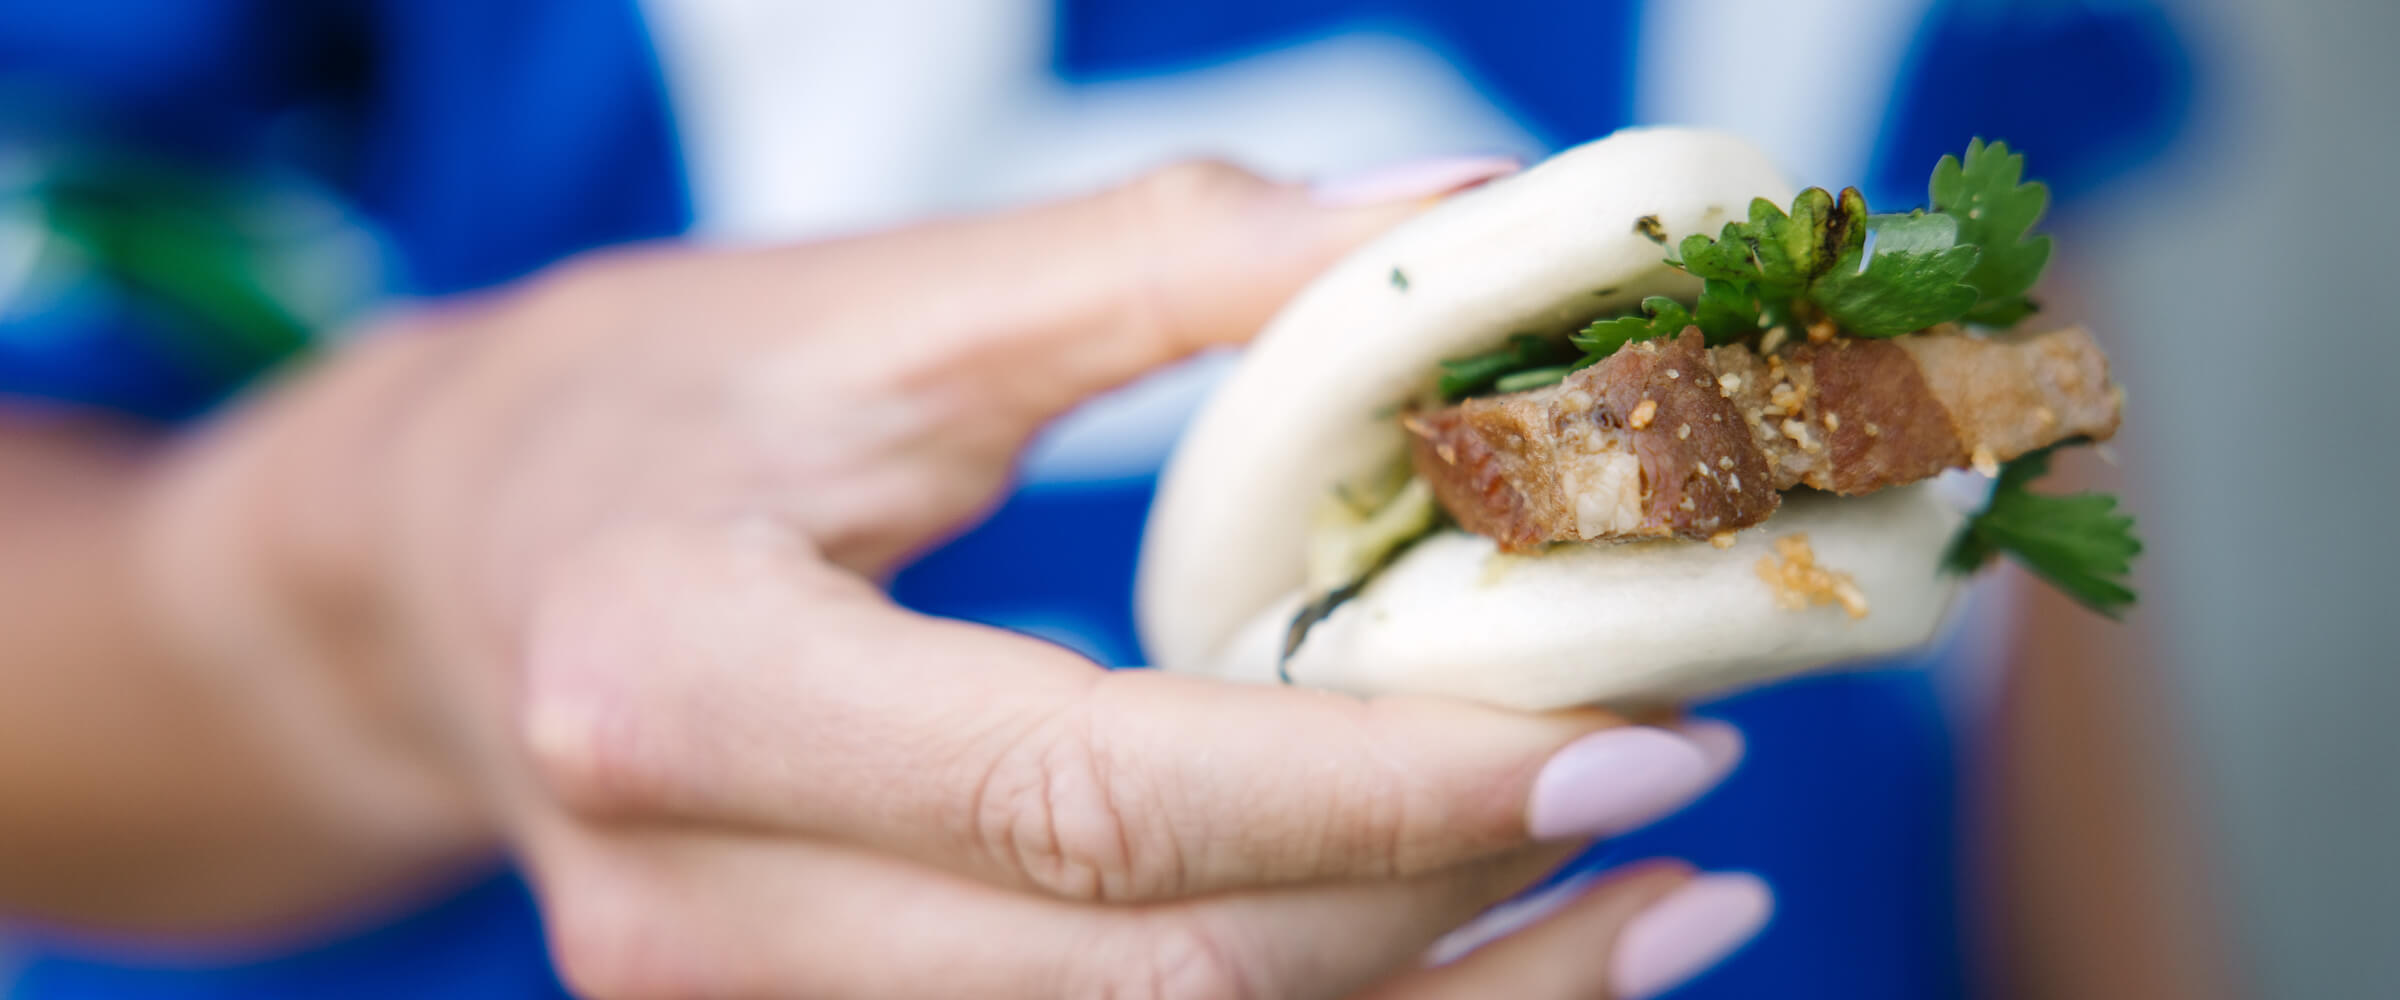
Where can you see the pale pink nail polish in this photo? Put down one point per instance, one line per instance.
(1506, 919)
(1718, 741)
(1615, 780)
(1693, 928)
(1410, 181)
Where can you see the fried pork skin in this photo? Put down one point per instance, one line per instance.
(1671, 438)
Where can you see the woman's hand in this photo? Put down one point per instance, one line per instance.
(591, 565)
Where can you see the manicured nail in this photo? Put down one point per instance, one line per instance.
(1718, 741)
(1506, 919)
(1411, 181)
(1693, 928)
(1615, 780)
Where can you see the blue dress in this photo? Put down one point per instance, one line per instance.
(415, 117)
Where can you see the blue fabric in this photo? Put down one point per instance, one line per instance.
(434, 118)
(1847, 805)
(490, 137)
(2089, 91)
(103, 352)
(1562, 68)
(439, 116)
(484, 943)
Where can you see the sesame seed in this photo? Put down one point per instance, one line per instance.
(1674, 373)
(1854, 601)
(1833, 421)
(1683, 432)
(1985, 462)
(1725, 461)
(1795, 579)
(1728, 384)
(1722, 539)
(1642, 413)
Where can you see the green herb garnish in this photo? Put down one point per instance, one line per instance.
(1531, 378)
(2078, 542)
(1829, 261)
(1470, 376)
(1994, 212)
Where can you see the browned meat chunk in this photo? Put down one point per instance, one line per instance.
(1673, 438)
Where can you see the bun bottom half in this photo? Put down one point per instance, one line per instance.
(1631, 624)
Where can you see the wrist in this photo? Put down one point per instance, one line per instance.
(264, 550)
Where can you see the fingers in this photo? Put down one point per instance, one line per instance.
(1029, 312)
(1629, 936)
(670, 914)
(703, 680)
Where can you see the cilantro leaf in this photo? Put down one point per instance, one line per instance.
(1995, 212)
(1727, 257)
(1660, 317)
(1916, 231)
(1727, 311)
(2077, 542)
(1782, 253)
(1823, 229)
(1785, 268)
(1828, 261)
(1463, 377)
(1911, 280)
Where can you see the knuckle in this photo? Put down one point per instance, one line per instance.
(579, 723)
(1165, 209)
(1178, 958)
(1190, 189)
(1054, 809)
(586, 754)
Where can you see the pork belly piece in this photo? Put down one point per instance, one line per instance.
(1671, 438)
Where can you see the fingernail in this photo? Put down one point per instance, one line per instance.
(1408, 181)
(1615, 780)
(1718, 741)
(1506, 919)
(1693, 928)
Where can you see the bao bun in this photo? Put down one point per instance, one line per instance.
(1311, 406)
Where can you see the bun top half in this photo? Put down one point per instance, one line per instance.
(1310, 405)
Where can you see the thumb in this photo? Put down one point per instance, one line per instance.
(1033, 311)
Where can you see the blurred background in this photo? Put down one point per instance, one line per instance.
(2202, 803)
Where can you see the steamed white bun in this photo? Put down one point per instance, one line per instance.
(1310, 406)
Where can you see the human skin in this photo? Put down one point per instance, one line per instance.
(584, 571)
